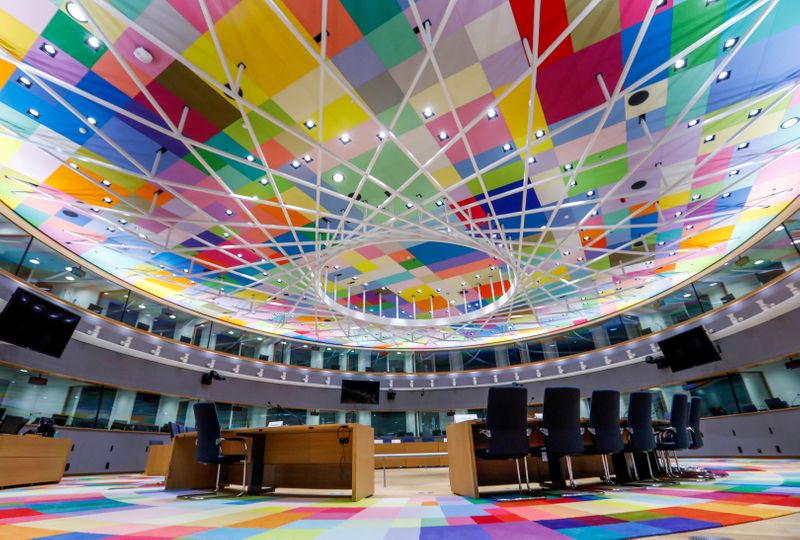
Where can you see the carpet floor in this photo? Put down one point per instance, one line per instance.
(137, 507)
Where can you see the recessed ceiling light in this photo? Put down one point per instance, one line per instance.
(143, 236)
(123, 221)
(34, 261)
(531, 159)
(92, 120)
(696, 196)
(679, 213)
(106, 183)
(779, 228)
(443, 135)
(409, 205)
(687, 295)
(345, 138)
(680, 63)
(295, 164)
(33, 113)
(229, 212)
(24, 81)
(754, 112)
(112, 229)
(566, 253)
(759, 261)
(672, 253)
(491, 113)
(507, 147)
(791, 122)
(226, 235)
(93, 42)
(76, 12)
(590, 193)
(152, 252)
(580, 259)
(594, 212)
(723, 75)
(69, 278)
(726, 195)
(48, 49)
(338, 177)
(381, 135)
(587, 238)
(439, 203)
(742, 146)
(107, 200)
(568, 167)
(709, 138)
(693, 122)
(264, 181)
(661, 3)
(428, 113)
(734, 172)
(307, 158)
(310, 124)
(689, 227)
(452, 301)
(279, 280)
(250, 158)
(730, 42)
(539, 133)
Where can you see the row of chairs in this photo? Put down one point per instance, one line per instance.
(509, 434)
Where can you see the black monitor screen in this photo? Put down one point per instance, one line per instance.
(360, 392)
(689, 349)
(34, 323)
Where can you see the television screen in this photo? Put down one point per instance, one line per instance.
(360, 392)
(37, 324)
(689, 349)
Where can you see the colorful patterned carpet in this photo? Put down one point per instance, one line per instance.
(134, 506)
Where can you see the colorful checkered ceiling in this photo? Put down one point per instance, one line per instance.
(225, 155)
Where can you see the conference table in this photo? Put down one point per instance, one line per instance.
(331, 456)
(468, 473)
(31, 459)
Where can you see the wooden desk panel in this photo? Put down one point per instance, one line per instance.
(29, 459)
(158, 456)
(410, 448)
(294, 457)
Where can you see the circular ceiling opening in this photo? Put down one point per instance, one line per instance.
(415, 283)
(638, 98)
(639, 184)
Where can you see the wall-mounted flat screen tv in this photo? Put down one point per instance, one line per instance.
(689, 349)
(34, 323)
(360, 392)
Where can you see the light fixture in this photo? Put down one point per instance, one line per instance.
(142, 236)
(695, 196)
(143, 55)
(491, 113)
(345, 138)
(726, 195)
(742, 146)
(107, 200)
(69, 278)
(33, 113)
(24, 81)
(791, 122)
(759, 261)
(93, 42)
(228, 212)
(295, 164)
(580, 259)
(310, 124)
(507, 147)
(307, 158)
(439, 203)
(76, 12)
(264, 181)
(723, 75)
(566, 253)
(226, 235)
(381, 135)
(409, 205)
(531, 159)
(730, 42)
(679, 213)
(587, 238)
(250, 158)
(672, 253)
(689, 227)
(106, 183)
(338, 177)
(779, 228)
(568, 167)
(709, 138)
(754, 112)
(152, 252)
(123, 221)
(693, 122)
(539, 133)
(590, 193)
(279, 280)
(687, 295)
(660, 243)
(734, 172)
(48, 49)
(443, 135)
(428, 113)
(112, 229)
(680, 63)
(34, 261)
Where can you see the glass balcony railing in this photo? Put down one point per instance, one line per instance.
(31, 260)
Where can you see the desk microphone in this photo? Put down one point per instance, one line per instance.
(287, 411)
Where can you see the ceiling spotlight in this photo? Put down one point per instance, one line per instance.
(593, 213)
(531, 159)
(726, 195)
(279, 280)
(443, 135)
(93, 42)
(152, 252)
(672, 253)
(143, 55)
(107, 200)
(338, 177)
(734, 172)
(345, 138)
(73, 165)
(69, 278)
(123, 221)
(295, 164)
(438, 290)
(680, 63)
(507, 147)
(142, 236)
(33, 113)
(709, 138)
(723, 75)
(310, 124)
(82, 130)
(568, 167)
(759, 261)
(106, 183)
(439, 203)
(693, 122)
(226, 235)
(76, 12)
(539, 133)
(452, 301)
(92, 120)
(730, 42)
(754, 112)
(307, 158)
(580, 259)
(463, 283)
(229, 212)
(48, 49)
(112, 229)
(24, 81)
(695, 196)
(491, 113)
(590, 193)
(660, 243)
(687, 295)
(587, 238)
(566, 253)
(381, 135)
(689, 227)
(409, 205)
(791, 122)
(742, 146)
(264, 181)
(34, 261)
(250, 158)
(428, 113)
(779, 228)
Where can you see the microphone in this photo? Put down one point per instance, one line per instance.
(284, 409)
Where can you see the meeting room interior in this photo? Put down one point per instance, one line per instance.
(399, 269)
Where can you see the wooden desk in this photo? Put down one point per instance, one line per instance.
(410, 448)
(158, 456)
(310, 457)
(30, 459)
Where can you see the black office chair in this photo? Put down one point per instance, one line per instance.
(155, 442)
(427, 438)
(12, 425)
(175, 429)
(209, 446)
(641, 437)
(776, 403)
(562, 425)
(507, 427)
(387, 438)
(407, 438)
(695, 405)
(604, 427)
(2, 412)
(676, 436)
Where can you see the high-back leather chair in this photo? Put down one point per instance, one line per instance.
(604, 427)
(562, 425)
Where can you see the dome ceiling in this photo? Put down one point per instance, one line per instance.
(396, 173)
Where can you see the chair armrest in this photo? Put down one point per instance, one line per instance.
(543, 431)
(591, 430)
(221, 440)
(486, 433)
